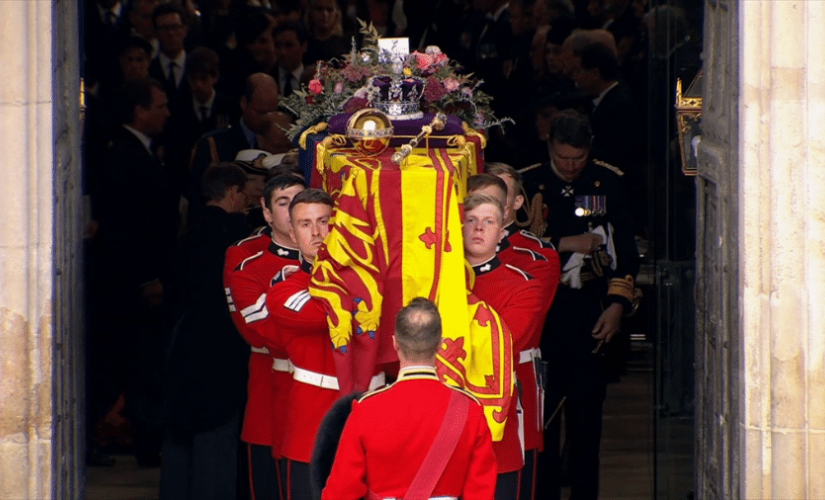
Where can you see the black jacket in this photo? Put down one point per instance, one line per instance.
(206, 371)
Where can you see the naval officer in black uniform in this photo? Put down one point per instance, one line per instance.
(589, 222)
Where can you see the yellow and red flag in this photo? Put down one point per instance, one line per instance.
(383, 250)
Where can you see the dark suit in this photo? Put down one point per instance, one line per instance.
(137, 208)
(101, 43)
(205, 376)
(228, 141)
(619, 138)
(183, 129)
(174, 93)
(617, 132)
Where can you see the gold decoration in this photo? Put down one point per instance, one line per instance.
(438, 123)
(688, 115)
(470, 131)
(370, 131)
(315, 129)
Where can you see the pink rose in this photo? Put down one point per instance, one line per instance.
(339, 87)
(423, 61)
(441, 60)
(450, 84)
(315, 87)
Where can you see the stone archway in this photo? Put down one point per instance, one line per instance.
(40, 252)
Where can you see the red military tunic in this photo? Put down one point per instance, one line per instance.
(244, 248)
(524, 250)
(518, 299)
(269, 381)
(300, 328)
(390, 431)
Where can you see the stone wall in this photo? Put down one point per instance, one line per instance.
(26, 249)
(782, 249)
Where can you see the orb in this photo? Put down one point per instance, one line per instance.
(370, 131)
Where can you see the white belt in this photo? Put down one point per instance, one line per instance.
(281, 365)
(259, 350)
(329, 381)
(529, 355)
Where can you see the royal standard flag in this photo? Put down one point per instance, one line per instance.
(383, 250)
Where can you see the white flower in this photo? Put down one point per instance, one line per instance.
(432, 50)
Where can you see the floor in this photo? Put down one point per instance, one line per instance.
(630, 470)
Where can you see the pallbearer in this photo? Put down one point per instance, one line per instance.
(269, 374)
(518, 299)
(417, 438)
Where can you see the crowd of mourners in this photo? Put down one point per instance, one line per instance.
(202, 229)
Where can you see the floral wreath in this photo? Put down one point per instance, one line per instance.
(361, 79)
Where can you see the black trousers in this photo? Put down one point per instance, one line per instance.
(264, 473)
(527, 476)
(507, 486)
(575, 373)
(200, 465)
(295, 480)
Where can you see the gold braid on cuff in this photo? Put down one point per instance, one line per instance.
(622, 287)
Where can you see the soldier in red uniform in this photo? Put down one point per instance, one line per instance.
(394, 436)
(269, 375)
(520, 301)
(299, 327)
(523, 250)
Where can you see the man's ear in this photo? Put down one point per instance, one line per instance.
(292, 234)
(518, 202)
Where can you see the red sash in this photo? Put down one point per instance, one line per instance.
(442, 449)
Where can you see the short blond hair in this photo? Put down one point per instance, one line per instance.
(476, 200)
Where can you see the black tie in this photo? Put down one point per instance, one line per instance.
(287, 84)
(204, 114)
(173, 82)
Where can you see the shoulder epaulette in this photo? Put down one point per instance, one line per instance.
(248, 238)
(527, 169)
(248, 259)
(616, 170)
(533, 255)
(464, 391)
(514, 268)
(543, 244)
(374, 392)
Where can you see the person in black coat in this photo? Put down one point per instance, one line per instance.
(617, 132)
(136, 205)
(168, 66)
(206, 372)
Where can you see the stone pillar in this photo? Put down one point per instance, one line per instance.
(26, 248)
(782, 249)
